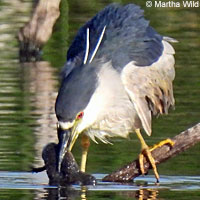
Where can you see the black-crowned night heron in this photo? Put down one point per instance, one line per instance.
(118, 74)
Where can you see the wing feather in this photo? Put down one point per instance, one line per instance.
(150, 88)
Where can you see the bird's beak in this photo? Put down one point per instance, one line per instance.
(64, 139)
(67, 139)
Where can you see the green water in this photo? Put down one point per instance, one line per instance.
(28, 122)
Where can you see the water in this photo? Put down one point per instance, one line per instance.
(144, 187)
(28, 122)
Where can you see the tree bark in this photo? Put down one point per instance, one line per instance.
(39, 29)
(182, 142)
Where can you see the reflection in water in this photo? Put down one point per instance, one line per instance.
(42, 85)
(143, 188)
(64, 193)
(70, 193)
(11, 20)
(83, 194)
(14, 130)
(143, 194)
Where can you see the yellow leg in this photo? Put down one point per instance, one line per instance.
(147, 151)
(85, 142)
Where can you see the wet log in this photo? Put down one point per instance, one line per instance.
(182, 142)
(39, 29)
(69, 174)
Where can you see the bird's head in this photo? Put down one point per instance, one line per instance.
(79, 103)
(74, 109)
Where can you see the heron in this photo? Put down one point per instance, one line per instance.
(119, 74)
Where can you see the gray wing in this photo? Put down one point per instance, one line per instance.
(150, 88)
(127, 37)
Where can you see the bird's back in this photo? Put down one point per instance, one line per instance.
(134, 51)
(127, 37)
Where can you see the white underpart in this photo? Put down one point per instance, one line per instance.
(87, 46)
(109, 111)
(98, 44)
(117, 106)
(101, 135)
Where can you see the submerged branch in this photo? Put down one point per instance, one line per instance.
(183, 141)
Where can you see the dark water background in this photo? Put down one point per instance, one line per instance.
(28, 122)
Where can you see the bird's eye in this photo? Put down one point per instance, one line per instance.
(80, 115)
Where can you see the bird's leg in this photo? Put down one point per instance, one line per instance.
(147, 152)
(85, 143)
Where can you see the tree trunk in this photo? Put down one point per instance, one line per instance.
(183, 141)
(39, 29)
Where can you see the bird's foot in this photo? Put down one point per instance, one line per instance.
(147, 152)
(163, 142)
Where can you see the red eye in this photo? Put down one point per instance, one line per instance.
(80, 115)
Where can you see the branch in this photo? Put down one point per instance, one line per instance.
(182, 142)
(39, 29)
